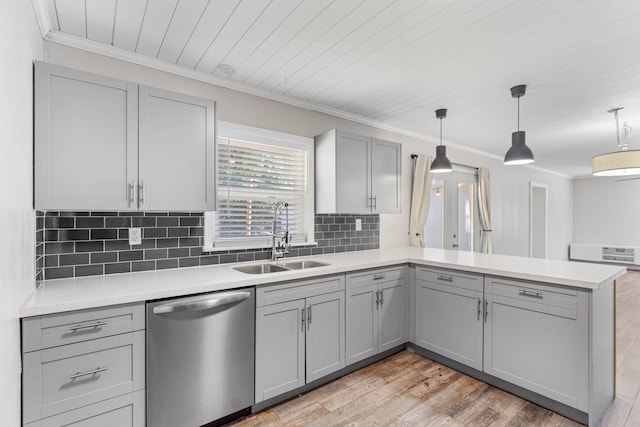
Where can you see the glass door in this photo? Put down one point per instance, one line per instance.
(453, 221)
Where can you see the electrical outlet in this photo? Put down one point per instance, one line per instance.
(135, 236)
(358, 224)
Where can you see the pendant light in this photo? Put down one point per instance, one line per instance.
(441, 164)
(618, 163)
(519, 153)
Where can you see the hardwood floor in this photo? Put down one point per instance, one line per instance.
(408, 390)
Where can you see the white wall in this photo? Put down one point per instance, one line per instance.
(20, 42)
(606, 211)
(510, 185)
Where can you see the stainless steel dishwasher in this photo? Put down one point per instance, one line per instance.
(200, 358)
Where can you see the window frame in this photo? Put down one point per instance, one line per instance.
(267, 137)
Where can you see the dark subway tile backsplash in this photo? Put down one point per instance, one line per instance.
(76, 244)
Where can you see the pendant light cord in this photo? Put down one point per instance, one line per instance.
(440, 130)
(518, 114)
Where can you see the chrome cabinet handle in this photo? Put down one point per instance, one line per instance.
(84, 374)
(479, 308)
(486, 310)
(202, 302)
(303, 318)
(445, 278)
(379, 276)
(381, 298)
(130, 193)
(377, 300)
(375, 202)
(532, 294)
(88, 326)
(141, 193)
(309, 317)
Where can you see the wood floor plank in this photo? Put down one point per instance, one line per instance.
(406, 390)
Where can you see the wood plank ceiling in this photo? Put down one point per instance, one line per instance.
(393, 62)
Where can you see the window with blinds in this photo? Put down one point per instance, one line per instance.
(254, 172)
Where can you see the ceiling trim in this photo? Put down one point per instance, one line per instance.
(43, 18)
(55, 36)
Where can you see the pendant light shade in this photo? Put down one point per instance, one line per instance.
(441, 163)
(618, 163)
(519, 153)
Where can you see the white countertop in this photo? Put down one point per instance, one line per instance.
(61, 295)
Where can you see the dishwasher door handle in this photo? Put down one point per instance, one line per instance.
(202, 303)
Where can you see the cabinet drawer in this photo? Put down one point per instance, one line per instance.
(63, 378)
(378, 275)
(267, 295)
(538, 293)
(123, 411)
(53, 330)
(607, 250)
(455, 278)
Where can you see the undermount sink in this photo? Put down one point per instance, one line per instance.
(260, 268)
(299, 265)
(274, 268)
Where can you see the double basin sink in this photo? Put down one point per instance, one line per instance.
(274, 268)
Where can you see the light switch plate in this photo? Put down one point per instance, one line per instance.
(358, 224)
(135, 236)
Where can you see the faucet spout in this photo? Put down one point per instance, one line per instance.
(279, 251)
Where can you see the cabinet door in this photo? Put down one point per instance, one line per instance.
(392, 315)
(449, 322)
(280, 348)
(353, 173)
(362, 322)
(385, 176)
(176, 151)
(541, 348)
(86, 136)
(325, 335)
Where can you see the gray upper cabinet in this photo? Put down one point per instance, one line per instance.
(103, 143)
(357, 174)
(377, 315)
(86, 139)
(176, 151)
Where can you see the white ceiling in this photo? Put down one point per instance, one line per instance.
(394, 62)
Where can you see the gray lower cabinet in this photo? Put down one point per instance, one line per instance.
(85, 368)
(449, 314)
(300, 334)
(537, 337)
(376, 311)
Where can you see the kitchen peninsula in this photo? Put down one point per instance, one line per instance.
(543, 329)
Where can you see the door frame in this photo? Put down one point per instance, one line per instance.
(532, 187)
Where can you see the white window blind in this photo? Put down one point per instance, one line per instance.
(251, 178)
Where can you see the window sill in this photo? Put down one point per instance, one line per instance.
(214, 249)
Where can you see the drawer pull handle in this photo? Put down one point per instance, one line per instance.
(379, 277)
(445, 278)
(486, 310)
(84, 374)
(479, 308)
(532, 294)
(88, 326)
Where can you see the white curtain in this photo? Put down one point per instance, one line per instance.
(420, 200)
(484, 183)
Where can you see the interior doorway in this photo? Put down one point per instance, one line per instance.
(453, 221)
(538, 219)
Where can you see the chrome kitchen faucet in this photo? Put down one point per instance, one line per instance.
(282, 248)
